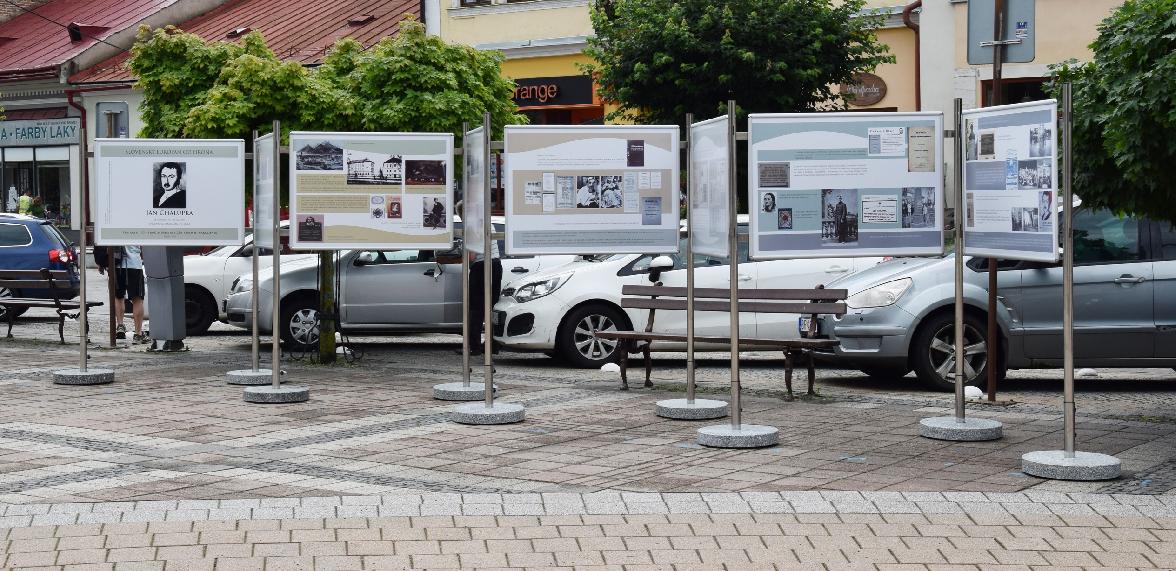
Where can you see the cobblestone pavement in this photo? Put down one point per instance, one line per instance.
(167, 467)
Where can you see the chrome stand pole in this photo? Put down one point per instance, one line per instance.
(275, 337)
(733, 252)
(83, 319)
(1068, 272)
(465, 273)
(487, 271)
(253, 302)
(689, 267)
(960, 378)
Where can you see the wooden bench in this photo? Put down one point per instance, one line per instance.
(814, 302)
(44, 279)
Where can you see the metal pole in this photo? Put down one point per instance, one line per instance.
(1068, 273)
(465, 269)
(276, 356)
(993, 341)
(111, 288)
(733, 251)
(689, 265)
(83, 322)
(487, 272)
(960, 379)
(253, 299)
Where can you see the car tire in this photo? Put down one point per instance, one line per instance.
(932, 351)
(17, 312)
(199, 311)
(300, 322)
(883, 372)
(576, 341)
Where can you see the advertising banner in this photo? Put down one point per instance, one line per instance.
(591, 190)
(473, 213)
(845, 184)
(169, 192)
(264, 171)
(1011, 181)
(710, 192)
(371, 190)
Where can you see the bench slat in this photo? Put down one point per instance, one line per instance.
(37, 302)
(744, 307)
(723, 293)
(748, 341)
(32, 274)
(24, 284)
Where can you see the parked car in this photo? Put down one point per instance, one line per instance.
(30, 243)
(380, 293)
(208, 277)
(901, 313)
(559, 311)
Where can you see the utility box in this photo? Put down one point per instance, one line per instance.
(163, 271)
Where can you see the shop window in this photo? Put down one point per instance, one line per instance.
(1017, 90)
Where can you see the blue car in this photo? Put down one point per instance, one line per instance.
(29, 243)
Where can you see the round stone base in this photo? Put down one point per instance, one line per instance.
(269, 395)
(970, 430)
(746, 436)
(1086, 466)
(250, 377)
(700, 409)
(87, 377)
(460, 392)
(479, 413)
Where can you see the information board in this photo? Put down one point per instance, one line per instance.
(591, 189)
(1011, 181)
(845, 184)
(264, 171)
(169, 192)
(371, 190)
(473, 213)
(710, 187)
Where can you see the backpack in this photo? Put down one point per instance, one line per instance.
(102, 255)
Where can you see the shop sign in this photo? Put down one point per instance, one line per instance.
(39, 132)
(867, 89)
(553, 91)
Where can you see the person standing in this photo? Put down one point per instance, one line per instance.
(841, 220)
(130, 284)
(478, 294)
(24, 204)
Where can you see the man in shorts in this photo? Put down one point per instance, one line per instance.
(130, 284)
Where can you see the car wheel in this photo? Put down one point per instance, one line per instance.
(17, 312)
(577, 342)
(885, 373)
(199, 311)
(933, 351)
(300, 323)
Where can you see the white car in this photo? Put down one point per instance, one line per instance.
(559, 311)
(208, 278)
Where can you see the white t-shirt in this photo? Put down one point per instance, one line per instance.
(132, 258)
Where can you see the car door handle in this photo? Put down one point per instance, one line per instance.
(744, 278)
(431, 273)
(837, 270)
(1129, 279)
(519, 270)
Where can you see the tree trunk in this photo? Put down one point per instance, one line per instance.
(327, 309)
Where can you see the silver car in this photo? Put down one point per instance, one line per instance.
(380, 293)
(901, 313)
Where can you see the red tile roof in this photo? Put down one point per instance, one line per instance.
(33, 48)
(43, 113)
(296, 30)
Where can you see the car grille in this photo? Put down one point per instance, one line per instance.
(499, 322)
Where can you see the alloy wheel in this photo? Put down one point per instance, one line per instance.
(942, 355)
(586, 341)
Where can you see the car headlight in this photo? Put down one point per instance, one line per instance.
(242, 284)
(536, 290)
(880, 295)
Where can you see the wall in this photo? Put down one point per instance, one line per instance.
(541, 19)
(899, 76)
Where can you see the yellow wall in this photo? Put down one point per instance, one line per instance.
(514, 26)
(551, 66)
(899, 76)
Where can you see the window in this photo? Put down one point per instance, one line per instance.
(1167, 240)
(1102, 237)
(14, 235)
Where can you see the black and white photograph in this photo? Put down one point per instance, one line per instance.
(1045, 209)
(971, 141)
(1041, 141)
(918, 207)
(310, 227)
(393, 207)
(775, 175)
(971, 210)
(373, 168)
(170, 186)
(323, 156)
(424, 172)
(987, 146)
(433, 211)
(1035, 173)
(565, 192)
(768, 202)
(1025, 219)
(784, 219)
(839, 216)
(600, 191)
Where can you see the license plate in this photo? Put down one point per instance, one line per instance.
(805, 325)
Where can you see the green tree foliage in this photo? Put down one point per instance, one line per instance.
(411, 82)
(1125, 112)
(661, 59)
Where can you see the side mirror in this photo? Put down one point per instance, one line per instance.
(365, 258)
(658, 265)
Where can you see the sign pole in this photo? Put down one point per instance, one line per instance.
(465, 269)
(737, 435)
(256, 349)
(255, 375)
(1067, 463)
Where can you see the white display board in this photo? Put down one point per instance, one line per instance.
(473, 213)
(710, 187)
(371, 190)
(169, 192)
(1011, 181)
(845, 184)
(264, 171)
(591, 189)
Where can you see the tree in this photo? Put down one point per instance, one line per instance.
(1125, 112)
(661, 59)
(410, 82)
